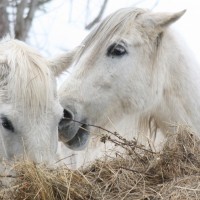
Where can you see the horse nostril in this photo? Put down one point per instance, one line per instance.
(64, 124)
(66, 120)
(67, 114)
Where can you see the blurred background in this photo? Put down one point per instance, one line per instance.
(54, 26)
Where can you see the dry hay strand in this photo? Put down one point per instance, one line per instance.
(41, 183)
(173, 173)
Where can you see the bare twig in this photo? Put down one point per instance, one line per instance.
(4, 22)
(99, 16)
(10, 176)
(20, 23)
(29, 18)
(132, 143)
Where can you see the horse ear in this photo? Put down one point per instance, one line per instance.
(62, 62)
(163, 20)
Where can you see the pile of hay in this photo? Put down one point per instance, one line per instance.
(172, 174)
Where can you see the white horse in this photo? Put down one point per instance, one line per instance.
(133, 70)
(29, 106)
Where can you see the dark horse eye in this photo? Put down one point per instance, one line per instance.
(116, 50)
(7, 124)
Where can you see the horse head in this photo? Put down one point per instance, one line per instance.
(119, 70)
(29, 107)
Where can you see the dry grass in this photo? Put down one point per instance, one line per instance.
(171, 174)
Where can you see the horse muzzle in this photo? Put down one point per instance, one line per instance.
(73, 133)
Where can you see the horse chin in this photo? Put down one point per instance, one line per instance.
(80, 140)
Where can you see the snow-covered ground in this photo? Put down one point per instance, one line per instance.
(62, 26)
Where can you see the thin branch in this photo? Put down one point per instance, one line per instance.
(4, 22)
(29, 18)
(10, 176)
(20, 23)
(23, 20)
(65, 158)
(125, 142)
(99, 16)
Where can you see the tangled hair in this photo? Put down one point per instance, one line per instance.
(26, 80)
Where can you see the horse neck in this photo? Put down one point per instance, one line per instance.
(181, 88)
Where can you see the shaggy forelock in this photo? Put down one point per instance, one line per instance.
(115, 23)
(26, 77)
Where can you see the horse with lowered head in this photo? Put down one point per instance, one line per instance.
(132, 71)
(29, 107)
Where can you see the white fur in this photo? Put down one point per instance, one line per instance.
(28, 99)
(158, 79)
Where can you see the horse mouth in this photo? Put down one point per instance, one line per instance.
(80, 139)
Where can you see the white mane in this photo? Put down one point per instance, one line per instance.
(24, 73)
(29, 107)
(115, 23)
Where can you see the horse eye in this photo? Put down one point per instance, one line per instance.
(7, 124)
(116, 50)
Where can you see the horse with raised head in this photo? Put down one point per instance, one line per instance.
(133, 70)
(29, 107)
